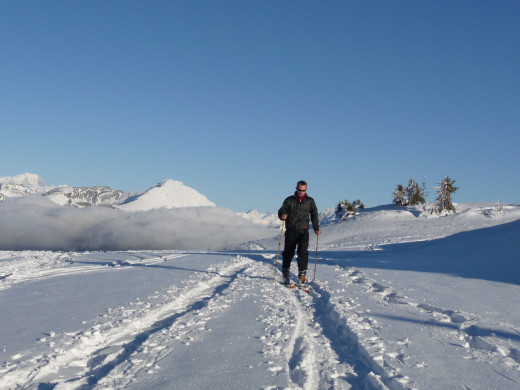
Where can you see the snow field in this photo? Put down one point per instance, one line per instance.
(306, 343)
(392, 308)
(89, 354)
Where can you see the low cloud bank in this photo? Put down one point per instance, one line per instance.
(35, 223)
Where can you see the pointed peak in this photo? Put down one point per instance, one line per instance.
(167, 194)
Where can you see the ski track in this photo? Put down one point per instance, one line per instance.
(307, 340)
(133, 339)
(477, 341)
(316, 340)
(316, 346)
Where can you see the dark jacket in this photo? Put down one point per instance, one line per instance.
(298, 213)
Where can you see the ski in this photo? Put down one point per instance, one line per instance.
(294, 286)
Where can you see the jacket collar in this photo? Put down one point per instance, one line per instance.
(300, 199)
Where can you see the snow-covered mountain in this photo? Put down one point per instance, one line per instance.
(22, 185)
(167, 194)
(267, 219)
(86, 196)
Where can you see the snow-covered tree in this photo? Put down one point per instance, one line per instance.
(399, 195)
(359, 204)
(339, 211)
(411, 195)
(444, 191)
(414, 193)
(346, 209)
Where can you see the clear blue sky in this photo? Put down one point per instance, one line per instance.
(241, 99)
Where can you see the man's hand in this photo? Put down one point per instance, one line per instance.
(284, 217)
(318, 232)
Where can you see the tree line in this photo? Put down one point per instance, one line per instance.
(415, 194)
(411, 195)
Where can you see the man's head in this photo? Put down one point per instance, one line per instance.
(301, 188)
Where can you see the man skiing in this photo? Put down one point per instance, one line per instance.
(295, 211)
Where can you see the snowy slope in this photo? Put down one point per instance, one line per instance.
(402, 301)
(167, 194)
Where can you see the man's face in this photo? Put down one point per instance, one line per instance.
(301, 190)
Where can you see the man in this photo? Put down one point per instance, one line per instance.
(295, 211)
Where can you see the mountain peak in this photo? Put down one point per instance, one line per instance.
(166, 194)
(30, 180)
(22, 185)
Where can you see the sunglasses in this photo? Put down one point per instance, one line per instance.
(297, 189)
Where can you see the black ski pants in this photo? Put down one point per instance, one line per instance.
(295, 239)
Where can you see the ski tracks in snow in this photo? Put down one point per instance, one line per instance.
(128, 340)
(473, 338)
(294, 343)
(311, 341)
(321, 340)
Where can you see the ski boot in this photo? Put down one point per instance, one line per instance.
(286, 277)
(302, 281)
(301, 278)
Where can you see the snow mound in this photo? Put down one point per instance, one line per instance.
(167, 194)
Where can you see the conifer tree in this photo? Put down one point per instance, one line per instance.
(346, 209)
(444, 191)
(414, 193)
(399, 195)
(359, 204)
(411, 195)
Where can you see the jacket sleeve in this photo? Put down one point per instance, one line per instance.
(314, 216)
(284, 209)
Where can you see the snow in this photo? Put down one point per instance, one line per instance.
(29, 180)
(167, 194)
(21, 185)
(402, 299)
(268, 219)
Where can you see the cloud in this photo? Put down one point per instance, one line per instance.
(35, 223)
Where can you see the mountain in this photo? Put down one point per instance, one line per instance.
(22, 185)
(268, 219)
(167, 194)
(86, 196)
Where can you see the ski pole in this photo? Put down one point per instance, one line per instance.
(316, 261)
(280, 243)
